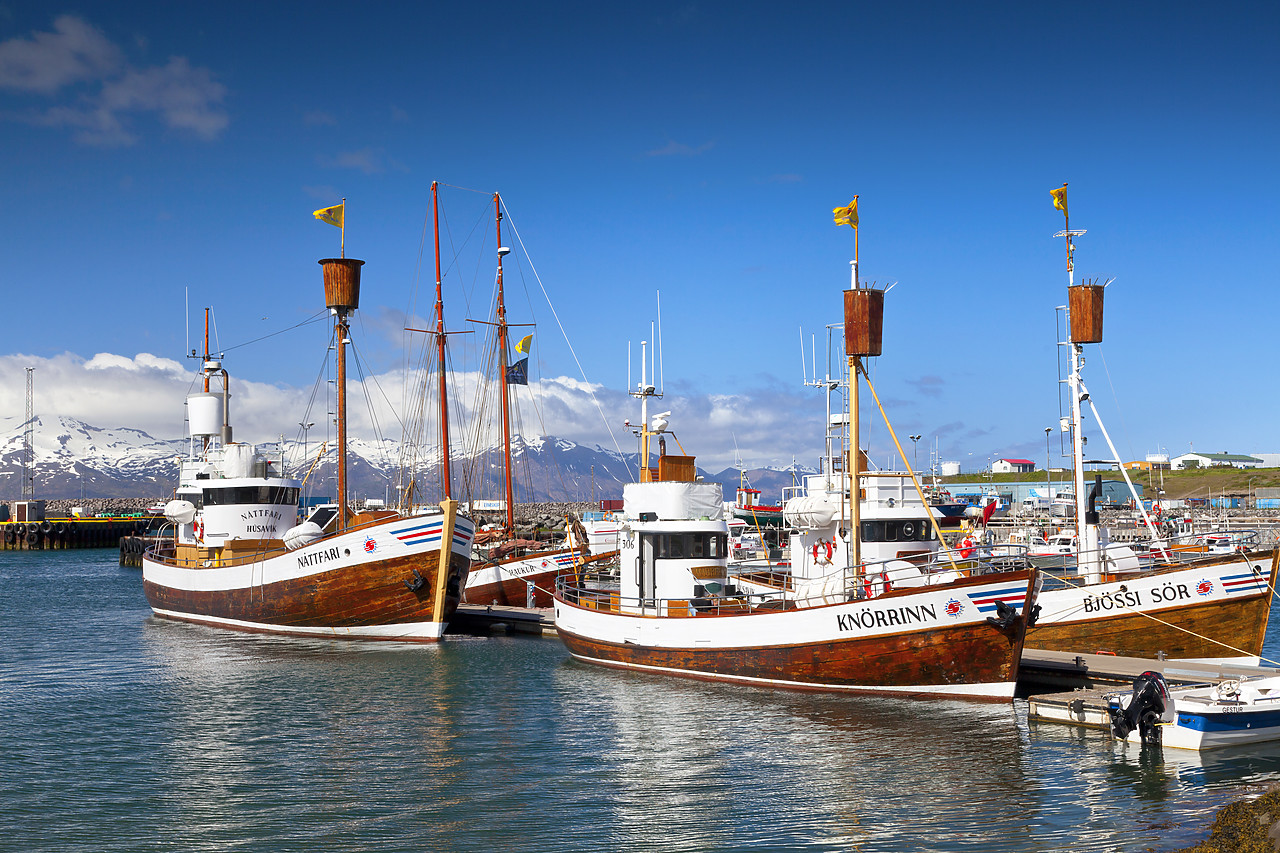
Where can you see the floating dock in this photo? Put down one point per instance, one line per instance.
(1082, 682)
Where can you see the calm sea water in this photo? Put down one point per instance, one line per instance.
(122, 732)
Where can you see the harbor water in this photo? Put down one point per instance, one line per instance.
(126, 733)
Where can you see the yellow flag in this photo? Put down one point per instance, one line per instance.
(847, 215)
(332, 215)
(522, 345)
(1060, 199)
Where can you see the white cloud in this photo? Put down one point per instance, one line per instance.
(46, 62)
(679, 149)
(366, 160)
(142, 361)
(186, 98)
(147, 392)
(319, 118)
(110, 91)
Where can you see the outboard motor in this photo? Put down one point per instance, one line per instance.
(1146, 708)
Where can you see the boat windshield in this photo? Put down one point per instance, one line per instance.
(234, 495)
(679, 546)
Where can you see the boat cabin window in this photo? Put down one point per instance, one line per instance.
(236, 495)
(196, 498)
(896, 530)
(679, 546)
(323, 515)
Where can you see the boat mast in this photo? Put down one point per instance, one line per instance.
(502, 369)
(342, 296)
(644, 391)
(1089, 562)
(444, 407)
(855, 453)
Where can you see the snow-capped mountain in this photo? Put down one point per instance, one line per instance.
(73, 460)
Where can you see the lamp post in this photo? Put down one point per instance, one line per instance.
(1048, 462)
(915, 455)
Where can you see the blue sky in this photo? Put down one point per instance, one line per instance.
(156, 150)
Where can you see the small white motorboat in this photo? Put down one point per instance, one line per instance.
(1233, 712)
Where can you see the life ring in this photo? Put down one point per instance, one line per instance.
(1155, 510)
(198, 529)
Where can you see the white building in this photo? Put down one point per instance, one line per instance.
(1213, 460)
(1012, 466)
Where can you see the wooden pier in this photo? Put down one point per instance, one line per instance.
(498, 618)
(55, 534)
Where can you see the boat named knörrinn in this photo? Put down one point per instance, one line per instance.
(676, 609)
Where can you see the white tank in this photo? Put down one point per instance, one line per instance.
(238, 460)
(204, 413)
(950, 469)
(811, 512)
(302, 535)
(180, 511)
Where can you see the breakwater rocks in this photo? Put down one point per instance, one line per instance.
(1250, 826)
(532, 519)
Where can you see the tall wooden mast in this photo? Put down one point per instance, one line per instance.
(444, 401)
(342, 296)
(502, 370)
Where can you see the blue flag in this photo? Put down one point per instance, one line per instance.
(518, 373)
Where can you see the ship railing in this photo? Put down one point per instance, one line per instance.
(732, 602)
(782, 591)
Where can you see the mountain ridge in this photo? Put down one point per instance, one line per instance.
(73, 459)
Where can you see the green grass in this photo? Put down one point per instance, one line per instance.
(1177, 485)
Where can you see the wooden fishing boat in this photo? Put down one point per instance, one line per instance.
(507, 569)
(1102, 598)
(1211, 606)
(676, 608)
(239, 559)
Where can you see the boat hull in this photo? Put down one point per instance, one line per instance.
(506, 582)
(367, 584)
(1215, 610)
(906, 644)
(1217, 729)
